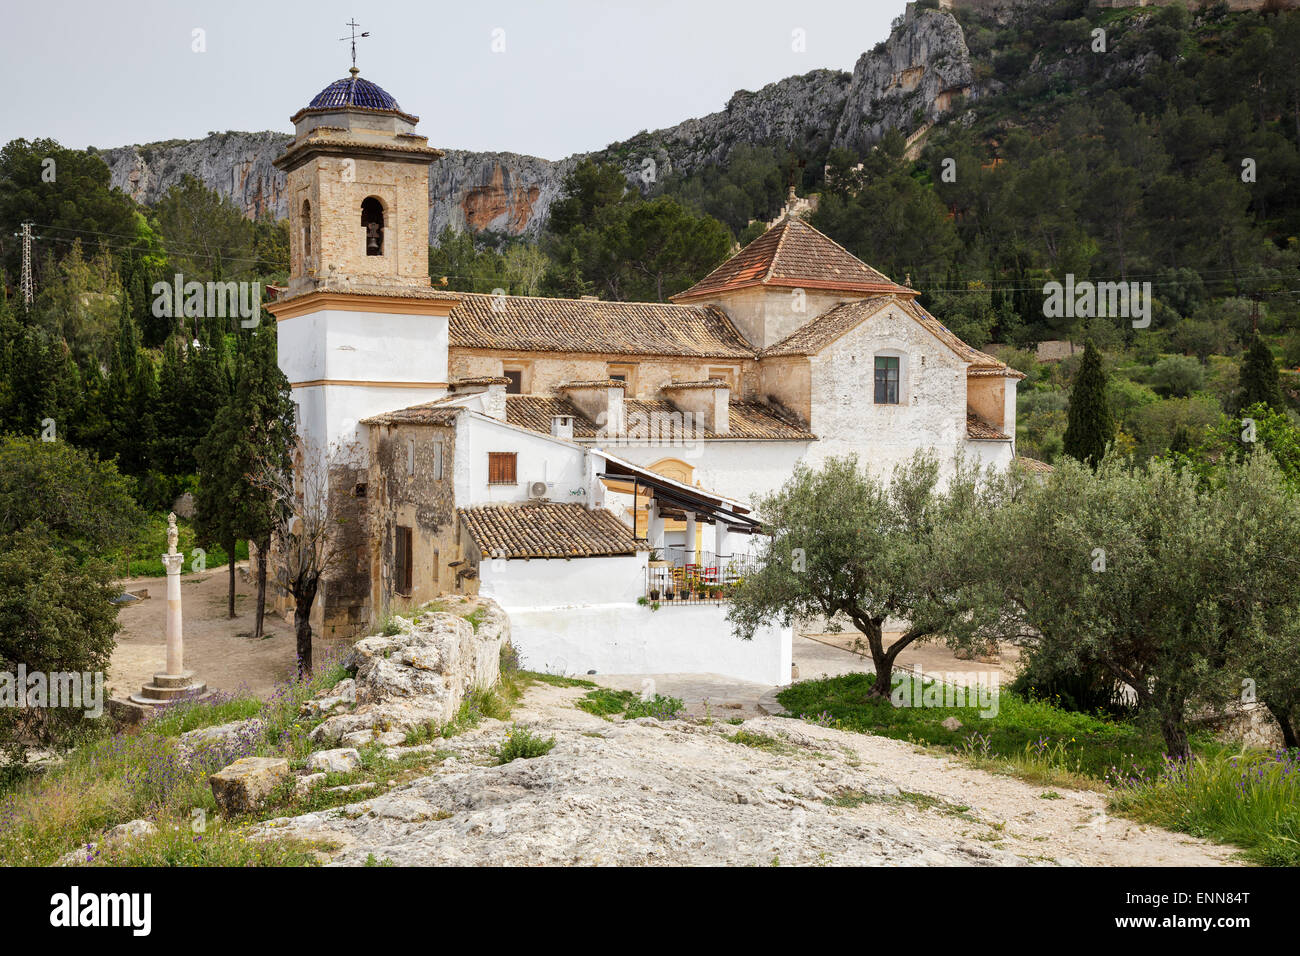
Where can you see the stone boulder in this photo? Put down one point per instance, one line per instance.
(241, 787)
(122, 833)
(342, 760)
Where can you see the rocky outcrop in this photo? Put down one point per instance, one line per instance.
(417, 676)
(922, 70)
(493, 192)
(915, 76)
(799, 111)
(705, 793)
(237, 165)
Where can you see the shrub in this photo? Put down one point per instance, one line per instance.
(522, 744)
(1177, 376)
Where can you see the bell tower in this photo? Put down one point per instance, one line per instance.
(358, 190)
(360, 330)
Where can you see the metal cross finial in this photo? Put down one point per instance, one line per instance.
(354, 36)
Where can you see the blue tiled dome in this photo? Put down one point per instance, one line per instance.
(353, 91)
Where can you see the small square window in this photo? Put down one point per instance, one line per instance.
(516, 384)
(886, 380)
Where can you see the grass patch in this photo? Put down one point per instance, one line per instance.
(176, 719)
(220, 844)
(604, 702)
(1027, 737)
(558, 680)
(522, 744)
(759, 741)
(145, 773)
(1251, 800)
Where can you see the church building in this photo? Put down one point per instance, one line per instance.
(588, 464)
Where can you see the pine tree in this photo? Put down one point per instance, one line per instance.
(1259, 380)
(1091, 426)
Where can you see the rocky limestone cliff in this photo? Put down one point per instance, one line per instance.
(797, 111)
(923, 69)
(906, 82)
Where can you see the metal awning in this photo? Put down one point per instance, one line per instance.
(677, 495)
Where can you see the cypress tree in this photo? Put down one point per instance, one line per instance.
(1259, 380)
(263, 401)
(216, 499)
(1091, 426)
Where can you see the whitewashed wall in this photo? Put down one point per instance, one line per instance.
(359, 347)
(931, 413)
(572, 617)
(563, 465)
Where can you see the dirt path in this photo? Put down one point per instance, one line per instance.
(686, 792)
(219, 650)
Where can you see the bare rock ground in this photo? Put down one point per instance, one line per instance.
(683, 792)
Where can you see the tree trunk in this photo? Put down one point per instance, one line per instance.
(1285, 720)
(261, 588)
(1175, 734)
(304, 596)
(230, 565)
(302, 632)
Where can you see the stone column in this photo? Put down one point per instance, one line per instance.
(175, 642)
(690, 538)
(175, 682)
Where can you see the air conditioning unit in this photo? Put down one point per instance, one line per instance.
(538, 489)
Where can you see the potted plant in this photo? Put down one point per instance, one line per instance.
(668, 595)
(657, 559)
(654, 594)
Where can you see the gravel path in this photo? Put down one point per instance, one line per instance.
(683, 792)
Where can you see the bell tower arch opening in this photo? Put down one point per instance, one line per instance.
(372, 221)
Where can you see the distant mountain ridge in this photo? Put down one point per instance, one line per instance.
(905, 82)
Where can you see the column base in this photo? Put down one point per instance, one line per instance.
(169, 688)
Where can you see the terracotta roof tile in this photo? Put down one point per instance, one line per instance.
(793, 254)
(536, 411)
(430, 413)
(1033, 465)
(528, 324)
(980, 430)
(811, 337)
(547, 530)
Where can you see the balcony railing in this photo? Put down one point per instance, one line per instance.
(669, 583)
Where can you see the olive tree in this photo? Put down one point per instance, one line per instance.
(843, 544)
(1153, 574)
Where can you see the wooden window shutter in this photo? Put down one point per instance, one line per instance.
(403, 578)
(501, 468)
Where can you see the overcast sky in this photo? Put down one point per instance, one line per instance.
(573, 76)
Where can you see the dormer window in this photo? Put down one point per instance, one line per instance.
(886, 380)
(372, 221)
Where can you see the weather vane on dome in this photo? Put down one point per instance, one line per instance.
(354, 37)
